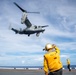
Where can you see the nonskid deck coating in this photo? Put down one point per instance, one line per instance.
(30, 72)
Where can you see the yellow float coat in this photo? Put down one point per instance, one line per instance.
(52, 60)
(68, 62)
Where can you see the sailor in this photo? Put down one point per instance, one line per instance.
(68, 64)
(52, 64)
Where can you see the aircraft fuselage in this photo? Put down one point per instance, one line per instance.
(31, 31)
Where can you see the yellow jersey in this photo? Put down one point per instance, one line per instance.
(52, 60)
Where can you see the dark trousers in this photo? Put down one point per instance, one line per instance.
(58, 72)
(69, 67)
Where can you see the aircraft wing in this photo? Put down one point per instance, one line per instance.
(28, 23)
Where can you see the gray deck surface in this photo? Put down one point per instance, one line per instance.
(30, 72)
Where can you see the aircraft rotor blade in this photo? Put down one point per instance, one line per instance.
(44, 26)
(34, 12)
(10, 27)
(20, 7)
(24, 10)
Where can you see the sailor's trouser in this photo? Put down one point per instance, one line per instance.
(57, 72)
(69, 67)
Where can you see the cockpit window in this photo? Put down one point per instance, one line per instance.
(35, 27)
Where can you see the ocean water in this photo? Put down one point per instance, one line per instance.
(40, 67)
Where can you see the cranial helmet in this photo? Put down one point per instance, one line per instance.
(48, 46)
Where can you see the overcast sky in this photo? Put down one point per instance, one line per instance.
(21, 50)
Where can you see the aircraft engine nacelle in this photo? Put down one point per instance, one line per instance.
(24, 16)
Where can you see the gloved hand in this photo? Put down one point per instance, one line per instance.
(46, 73)
(53, 45)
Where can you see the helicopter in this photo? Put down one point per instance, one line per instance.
(30, 28)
